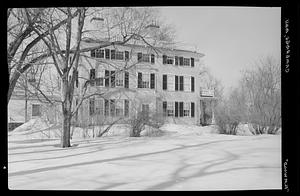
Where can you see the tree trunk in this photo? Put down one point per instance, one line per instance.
(65, 138)
(66, 111)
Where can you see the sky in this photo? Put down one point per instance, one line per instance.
(232, 38)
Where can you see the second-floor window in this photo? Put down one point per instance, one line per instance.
(146, 80)
(168, 60)
(145, 57)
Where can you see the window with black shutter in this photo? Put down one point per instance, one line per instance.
(126, 80)
(192, 84)
(176, 60)
(152, 58)
(107, 53)
(164, 108)
(152, 81)
(126, 108)
(181, 61)
(176, 83)
(176, 109)
(192, 62)
(113, 54)
(192, 109)
(164, 59)
(165, 82)
(181, 83)
(106, 107)
(107, 78)
(112, 78)
(140, 80)
(140, 55)
(112, 107)
(126, 55)
(92, 76)
(180, 109)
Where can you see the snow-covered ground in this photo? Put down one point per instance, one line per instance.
(183, 158)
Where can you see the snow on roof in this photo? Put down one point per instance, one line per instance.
(92, 43)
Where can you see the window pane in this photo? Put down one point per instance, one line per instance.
(36, 110)
(187, 83)
(171, 82)
(119, 55)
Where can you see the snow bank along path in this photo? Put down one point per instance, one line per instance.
(180, 160)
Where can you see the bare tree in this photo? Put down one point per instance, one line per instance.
(24, 44)
(262, 88)
(256, 100)
(66, 58)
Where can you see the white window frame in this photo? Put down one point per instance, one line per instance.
(170, 58)
(187, 109)
(171, 82)
(187, 83)
(119, 78)
(119, 54)
(170, 108)
(186, 62)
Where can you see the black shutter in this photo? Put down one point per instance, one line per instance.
(92, 76)
(165, 82)
(181, 83)
(192, 109)
(92, 106)
(76, 79)
(107, 53)
(192, 84)
(126, 108)
(113, 54)
(192, 62)
(176, 60)
(107, 78)
(176, 83)
(181, 61)
(112, 78)
(152, 58)
(152, 81)
(164, 59)
(126, 55)
(93, 53)
(112, 107)
(140, 56)
(106, 107)
(176, 109)
(180, 109)
(126, 79)
(140, 79)
(164, 108)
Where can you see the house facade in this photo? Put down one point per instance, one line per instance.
(122, 80)
(128, 79)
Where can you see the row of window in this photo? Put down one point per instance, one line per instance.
(109, 79)
(109, 107)
(110, 54)
(179, 109)
(145, 80)
(178, 83)
(142, 57)
(176, 60)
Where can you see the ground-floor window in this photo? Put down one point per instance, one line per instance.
(178, 109)
(109, 107)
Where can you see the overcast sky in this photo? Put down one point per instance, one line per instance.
(231, 38)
